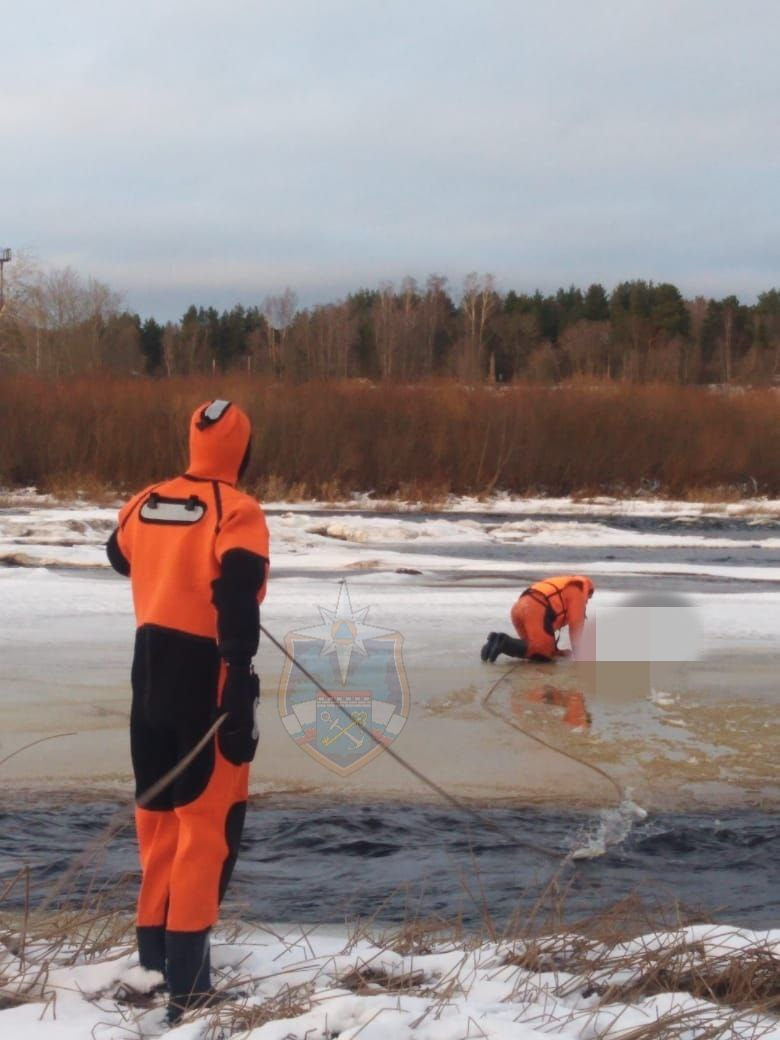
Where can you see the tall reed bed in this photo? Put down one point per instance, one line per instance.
(327, 439)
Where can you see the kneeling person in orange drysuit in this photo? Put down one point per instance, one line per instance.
(196, 551)
(538, 616)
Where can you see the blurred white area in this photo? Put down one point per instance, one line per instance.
(644, 628)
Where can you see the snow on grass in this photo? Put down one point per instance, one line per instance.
(321, 983)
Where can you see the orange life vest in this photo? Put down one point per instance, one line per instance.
(564, 598)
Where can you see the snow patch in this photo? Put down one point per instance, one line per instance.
(321, 982)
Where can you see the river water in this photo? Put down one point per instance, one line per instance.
(325, 863)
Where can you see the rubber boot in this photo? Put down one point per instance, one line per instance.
(513, 647)
(189, 971)
(487, 648)
(151, 947)
(500, 643)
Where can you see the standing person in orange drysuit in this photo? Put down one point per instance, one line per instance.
(196, 551)
(539, 613)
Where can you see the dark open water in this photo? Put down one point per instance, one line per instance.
(327, 863)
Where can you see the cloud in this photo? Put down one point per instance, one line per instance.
(202, 146)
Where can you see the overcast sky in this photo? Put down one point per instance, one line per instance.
(195, 151)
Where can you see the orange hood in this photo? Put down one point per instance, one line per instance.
(217, 448)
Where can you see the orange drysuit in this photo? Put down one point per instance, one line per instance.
(196, 551)
(547, 607)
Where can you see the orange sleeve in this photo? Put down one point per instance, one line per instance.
(243, 527)
(576, 613)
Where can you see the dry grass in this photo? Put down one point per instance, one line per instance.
(419, 937)
(596, 957)
(419, 442)
(40, 942)
(614, 957)
(366, 979)
(237, 1018)
(750, 981)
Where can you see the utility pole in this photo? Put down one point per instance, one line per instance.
(5, 256)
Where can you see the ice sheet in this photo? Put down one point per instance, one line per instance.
(74, 537)
(67, 643)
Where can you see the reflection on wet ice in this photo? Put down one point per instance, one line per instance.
(665, 729)
(574, 714)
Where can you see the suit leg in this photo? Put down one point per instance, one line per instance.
(209, 832)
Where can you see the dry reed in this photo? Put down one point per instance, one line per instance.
(615, 956)
(328, 439)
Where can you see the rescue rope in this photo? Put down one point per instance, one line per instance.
(119, 819)
(170, 776)
(539, 740)
(40, 740)
(451, 799)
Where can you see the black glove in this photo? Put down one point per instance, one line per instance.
(238, 734)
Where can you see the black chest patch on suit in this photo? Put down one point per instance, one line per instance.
(157, 509)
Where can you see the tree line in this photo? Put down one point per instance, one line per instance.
(56, 324)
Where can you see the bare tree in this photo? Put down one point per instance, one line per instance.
(57, 323)
(409, 338)
(726, 342)
(435, 310)
(479, 301)
(324, 336)
(279, 313)
(386, 329)
(188, 343)
(170, 348)
(587, 345)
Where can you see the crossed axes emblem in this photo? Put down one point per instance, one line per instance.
(358, 718)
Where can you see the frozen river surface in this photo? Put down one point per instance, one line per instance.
(700, 730)
(694, 740)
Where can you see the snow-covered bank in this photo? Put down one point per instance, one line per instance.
(322, 983)
(646, 505)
